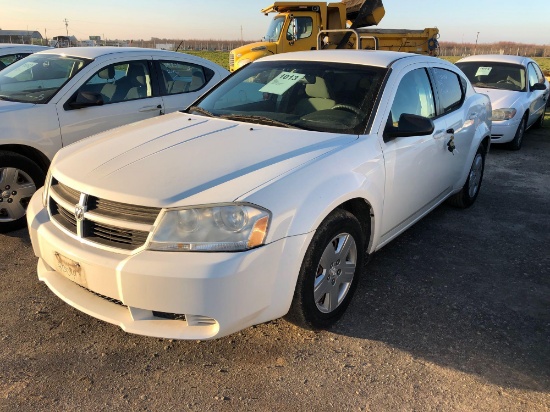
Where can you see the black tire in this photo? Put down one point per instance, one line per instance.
(20, 177)
(518, 137)
(468, 194)
(338, 237)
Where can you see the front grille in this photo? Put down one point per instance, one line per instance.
(107, 298)
(63, 216)
(170, 316)
(117, 235)
(231, 60)
(123, 211)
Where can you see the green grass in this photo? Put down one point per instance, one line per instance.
(222, 58)
(218, 57)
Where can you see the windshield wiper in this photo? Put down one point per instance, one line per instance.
(2, 97)
(258, 120)
(201, 111)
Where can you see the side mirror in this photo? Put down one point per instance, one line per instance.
(410, 125)
(86, 99)
(538, 86)
(291, 36)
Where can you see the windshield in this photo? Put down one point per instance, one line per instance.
(329, 97)
(495, 75)
(274, 29)
(37, 78)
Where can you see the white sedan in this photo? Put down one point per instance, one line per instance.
(56, 97)
(518, 91)
(262, 199)
(10, 53)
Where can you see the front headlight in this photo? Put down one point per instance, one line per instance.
(213, 228)
(503, 114)
(46, 188)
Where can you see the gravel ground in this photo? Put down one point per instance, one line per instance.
(453, 315)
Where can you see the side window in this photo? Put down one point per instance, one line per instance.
(8, 59)
(121, 82)
(180, 77)
(539, 73)
(532, 74)
(414, 96)
(304, 28)
(449, 88)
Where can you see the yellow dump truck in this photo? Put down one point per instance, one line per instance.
(300, 26)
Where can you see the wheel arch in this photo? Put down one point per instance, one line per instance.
(30, 152)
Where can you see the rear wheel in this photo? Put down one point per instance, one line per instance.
(518, 137)
(540, 121)
(468, 194)
(329, 273)
(19, 179)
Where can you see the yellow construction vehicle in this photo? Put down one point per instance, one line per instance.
(315, 25)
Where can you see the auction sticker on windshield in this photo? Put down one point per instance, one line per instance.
(483, 71)
(282, 83)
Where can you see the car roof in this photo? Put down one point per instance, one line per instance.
(4, 46)
(98, 51)
(497, 58)
(378, 58)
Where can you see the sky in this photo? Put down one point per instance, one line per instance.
(458, 20)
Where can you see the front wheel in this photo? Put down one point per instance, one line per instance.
(19, 179)
(518, 137)
(468, 194)
(329, 273)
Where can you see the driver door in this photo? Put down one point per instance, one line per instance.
(417, 167)
(126, 88)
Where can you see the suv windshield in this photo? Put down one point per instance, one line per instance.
(37, 78)
(495, 75)
(329, 97)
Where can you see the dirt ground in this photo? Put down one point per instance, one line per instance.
(454, 315)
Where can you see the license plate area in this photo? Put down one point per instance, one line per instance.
(70, 269)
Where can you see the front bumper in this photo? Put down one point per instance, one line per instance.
(504, 131)
(177, 295)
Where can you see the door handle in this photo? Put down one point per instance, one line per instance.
(150, 108)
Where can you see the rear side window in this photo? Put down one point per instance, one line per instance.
(449, 88)
(180, 77)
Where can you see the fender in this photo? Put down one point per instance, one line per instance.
(42, 133)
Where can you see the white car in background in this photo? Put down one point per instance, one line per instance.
(518, 91)
(56, 97)
(263, 198)
(10, 53)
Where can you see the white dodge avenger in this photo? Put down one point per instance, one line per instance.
(264, 198)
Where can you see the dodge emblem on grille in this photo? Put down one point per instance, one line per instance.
(79, 212)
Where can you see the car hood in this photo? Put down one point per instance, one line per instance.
(502, 99)
(7, 106)
(183, 159)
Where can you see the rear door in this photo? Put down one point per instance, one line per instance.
(128, 92)
(182, 82)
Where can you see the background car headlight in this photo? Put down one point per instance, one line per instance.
(212, 228)
(503, 114)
